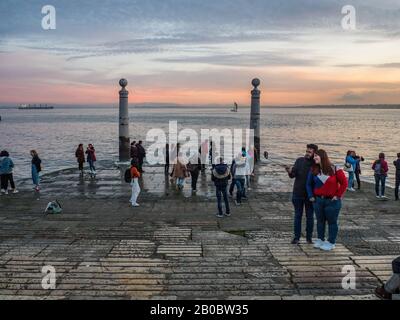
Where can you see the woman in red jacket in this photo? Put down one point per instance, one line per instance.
(381, 169)
(326, 186)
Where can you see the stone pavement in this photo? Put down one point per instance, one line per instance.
(173, 246)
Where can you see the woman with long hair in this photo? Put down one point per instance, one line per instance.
(80, 157)
(91, 158)
(326, 186)
(36, 168)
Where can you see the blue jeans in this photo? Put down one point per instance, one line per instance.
(351, 179)
(35, 175)
(241, 191)
(222, 192)
(299, 205)
(327, 211)
(380, 179)
(91, 165)
(180, 182)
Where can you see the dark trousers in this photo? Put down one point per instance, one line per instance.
(358, 180)
(240, 189)
(380, 179)
(195, 177)
(140, 165)
(80, 166)
(396, 189)
(166, 168)
(299, 205)
(5, 178)
(222, 193)
(396, 265)
(232, 186)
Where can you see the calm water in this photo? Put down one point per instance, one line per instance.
(56, 133)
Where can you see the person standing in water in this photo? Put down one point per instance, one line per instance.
(381, 169)
(135, 175)
(326, 186)
(397, 185)
(36, 169)
(91, 158)
(80, 157)
(6, 172)
(300, 201)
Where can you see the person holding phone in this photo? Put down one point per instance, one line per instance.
(299, 171)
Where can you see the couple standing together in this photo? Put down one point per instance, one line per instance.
(319, 186)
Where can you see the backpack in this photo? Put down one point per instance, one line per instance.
(378, 168)
(128, 176)
(53, 207)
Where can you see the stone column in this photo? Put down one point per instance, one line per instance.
(124, 140)
(255, 116)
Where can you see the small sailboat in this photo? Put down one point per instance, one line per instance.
(235, 107)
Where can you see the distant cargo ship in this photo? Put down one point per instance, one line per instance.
(34, 107)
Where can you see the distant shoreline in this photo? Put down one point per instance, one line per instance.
(175, 106)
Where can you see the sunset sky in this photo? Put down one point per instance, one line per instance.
(200, 52)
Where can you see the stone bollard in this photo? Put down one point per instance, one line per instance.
(124, 140)
(255, 116)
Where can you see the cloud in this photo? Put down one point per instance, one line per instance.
(350, 97)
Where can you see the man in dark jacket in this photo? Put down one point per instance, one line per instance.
(221, 176)
(299, 172)
(141, 155)
(134, 152)
(397, 165)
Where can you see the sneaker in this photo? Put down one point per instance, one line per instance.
(135, 205)
(3, 191)
(384, 198)
(37, 188)
(351, 189)
(219, 215)
(382, 293)
(378, 197)
(228, 214)
(6, 192)
(238, 203)
(318, 244)
(327, 246)
(295, 241)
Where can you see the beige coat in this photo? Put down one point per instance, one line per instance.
(180, 170)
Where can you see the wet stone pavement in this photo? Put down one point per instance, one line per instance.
(173, 246)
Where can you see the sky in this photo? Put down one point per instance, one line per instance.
(200, 52)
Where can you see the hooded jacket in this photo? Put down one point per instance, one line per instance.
(241, 168)
(221, 175)
(6, 165)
